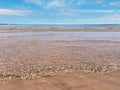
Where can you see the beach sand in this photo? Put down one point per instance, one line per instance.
(67, 81)
(37, 63)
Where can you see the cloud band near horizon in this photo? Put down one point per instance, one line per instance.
(14, 12)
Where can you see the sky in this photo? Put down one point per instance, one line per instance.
(60, 11)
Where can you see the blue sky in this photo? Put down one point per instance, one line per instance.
(60, 11)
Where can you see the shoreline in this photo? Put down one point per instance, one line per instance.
(66, 81)
(50, 71)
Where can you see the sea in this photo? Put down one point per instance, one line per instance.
(51, 35)
(97, 26)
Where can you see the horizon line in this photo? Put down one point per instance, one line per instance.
(60, 24)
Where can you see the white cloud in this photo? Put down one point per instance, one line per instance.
(63, 3)
(38, 2)
(112, 17)
(104, 19)
(78, 12)
(83, 2)
(100, 1)
(56, 3)
(78, 2)
(94, 11)
(115, 3)
(14, 12)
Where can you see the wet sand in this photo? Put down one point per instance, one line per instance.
(41, 60)
(56, 29)
(67, 81)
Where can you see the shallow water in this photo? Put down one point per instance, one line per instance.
(68, 26)
(64, 35)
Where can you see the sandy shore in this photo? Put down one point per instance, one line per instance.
(41, 61)
(67, 81)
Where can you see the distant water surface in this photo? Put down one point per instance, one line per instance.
(51, 35)
(97, 26)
